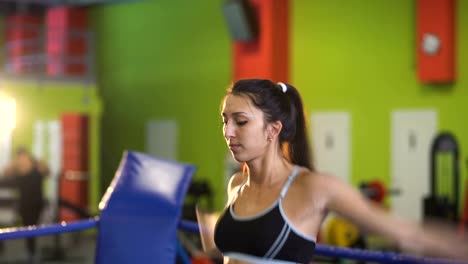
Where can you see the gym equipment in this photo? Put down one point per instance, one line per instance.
(376, 190)
(342, 233)
(464, 216)
(442, 202)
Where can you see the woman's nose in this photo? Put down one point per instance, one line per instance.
(229, 130)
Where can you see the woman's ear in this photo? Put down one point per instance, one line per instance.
(274, 129)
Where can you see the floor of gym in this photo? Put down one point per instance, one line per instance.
(76, 248)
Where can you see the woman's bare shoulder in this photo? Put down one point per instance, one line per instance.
(314, 183)
(310, 178)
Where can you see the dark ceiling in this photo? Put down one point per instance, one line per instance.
(12, 7)
(31, 6)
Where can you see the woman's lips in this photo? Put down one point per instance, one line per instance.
(234, 147)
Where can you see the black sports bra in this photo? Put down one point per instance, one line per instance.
(267, 237)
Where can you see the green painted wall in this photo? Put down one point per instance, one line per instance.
(359, 56)
(46, 101)
(163, 60)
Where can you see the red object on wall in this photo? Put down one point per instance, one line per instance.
(436, 40)
(22, 42)
(268, 56)
(74, 179)
(67, 42)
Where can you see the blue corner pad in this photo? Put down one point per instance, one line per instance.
(141, 209)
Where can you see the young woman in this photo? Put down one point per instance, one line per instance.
(278, 202)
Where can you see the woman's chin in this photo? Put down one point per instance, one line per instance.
(238, 158)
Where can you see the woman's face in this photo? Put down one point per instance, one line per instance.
(244, 128)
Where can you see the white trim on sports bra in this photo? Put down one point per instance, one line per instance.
(255, 259)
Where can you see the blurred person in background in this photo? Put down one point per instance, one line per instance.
(26, 174)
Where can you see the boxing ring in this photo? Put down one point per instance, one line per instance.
(140, 217)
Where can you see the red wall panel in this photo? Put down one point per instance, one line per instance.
(268, 56)
(74, 179)
(66, 41)
(436, 18)
(22, 36)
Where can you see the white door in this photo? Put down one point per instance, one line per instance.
(330, 133)
(411, 136)
(47, 146)
(5, 148)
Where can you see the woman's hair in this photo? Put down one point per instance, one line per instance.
(280, 103)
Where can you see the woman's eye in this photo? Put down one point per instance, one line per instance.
(241, 123)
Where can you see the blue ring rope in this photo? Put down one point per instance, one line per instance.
(190, 226)
(32, 231)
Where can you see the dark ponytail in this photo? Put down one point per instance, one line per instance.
(299, 147)
(280, 102)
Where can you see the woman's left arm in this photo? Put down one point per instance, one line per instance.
(351, 204)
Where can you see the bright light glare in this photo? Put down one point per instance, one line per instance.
(7, 114)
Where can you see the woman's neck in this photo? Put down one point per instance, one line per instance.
(268, 171)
